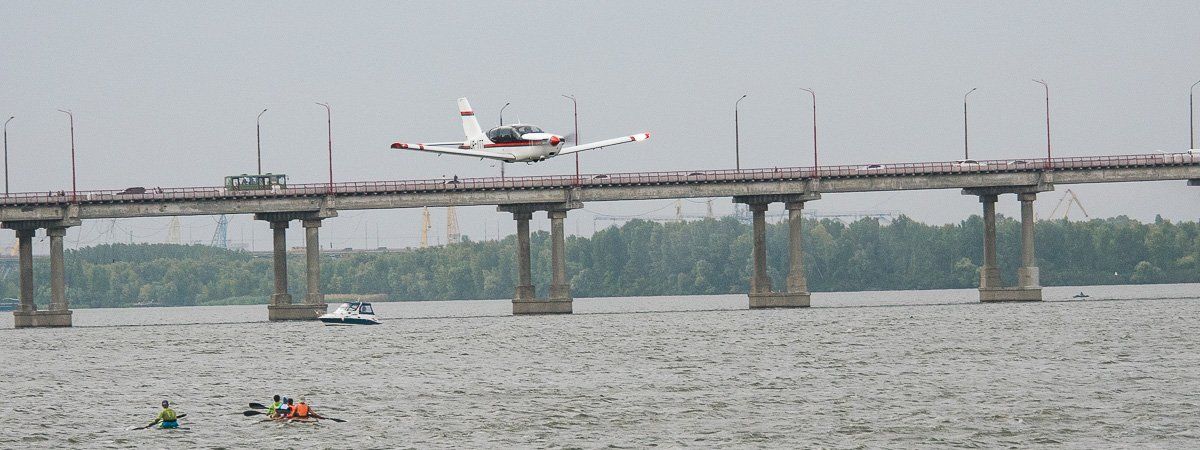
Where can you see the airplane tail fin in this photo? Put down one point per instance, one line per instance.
(470, 123)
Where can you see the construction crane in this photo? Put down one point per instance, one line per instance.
(1071, 199)
(173, 232)
(425, 226)
(452, 234)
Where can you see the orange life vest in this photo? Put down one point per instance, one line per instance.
(300, 410)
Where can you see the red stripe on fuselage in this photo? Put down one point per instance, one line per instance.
(467, 113)
(514, 144)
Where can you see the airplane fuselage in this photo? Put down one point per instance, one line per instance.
(529, 151)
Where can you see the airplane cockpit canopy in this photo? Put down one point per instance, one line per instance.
(511, 133)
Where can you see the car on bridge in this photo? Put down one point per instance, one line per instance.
(968, 163)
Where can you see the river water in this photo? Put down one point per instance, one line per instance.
(910, 369)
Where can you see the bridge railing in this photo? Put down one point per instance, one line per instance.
(608, 179)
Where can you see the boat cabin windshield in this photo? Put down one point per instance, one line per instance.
(511, 133)
(355, 308)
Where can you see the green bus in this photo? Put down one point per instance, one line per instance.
(246, 182)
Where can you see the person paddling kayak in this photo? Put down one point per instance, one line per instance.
(302, 411)
(166, 417)
(283, 408)
(273, 410)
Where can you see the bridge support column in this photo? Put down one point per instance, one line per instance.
(989, 273)
(280, 297)
(761, 282)
(560, 287)
(1027, 274)
(525, 291)
(58, 278)
(59, 313)
(524, 300)
(25, 260)
(991, 288)
(314, 299)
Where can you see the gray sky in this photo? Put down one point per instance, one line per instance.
(166, 93)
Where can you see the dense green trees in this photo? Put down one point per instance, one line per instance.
(647, 258)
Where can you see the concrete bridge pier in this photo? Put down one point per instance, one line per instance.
(59, 313)
(760, 283)
(560, 287)
(525, 291)
(312, 263)
(1027, 275)
(25, 261)
(991, 287)
(989, 273)
(281, 307)
(525, 300)
(762, 294)
(280, 297)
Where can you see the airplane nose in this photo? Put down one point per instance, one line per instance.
(555, 140)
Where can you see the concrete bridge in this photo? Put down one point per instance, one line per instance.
(310, 204)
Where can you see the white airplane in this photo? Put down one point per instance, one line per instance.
(510, 143)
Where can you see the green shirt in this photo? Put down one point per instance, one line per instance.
(167, 415)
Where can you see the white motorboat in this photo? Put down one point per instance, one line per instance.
(351, 313)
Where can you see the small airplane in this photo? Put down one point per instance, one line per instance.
(510, 143)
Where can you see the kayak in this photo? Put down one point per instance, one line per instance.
(298, 420)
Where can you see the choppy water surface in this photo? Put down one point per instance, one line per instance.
(932, 369)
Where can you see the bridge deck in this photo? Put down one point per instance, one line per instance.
(600, 187)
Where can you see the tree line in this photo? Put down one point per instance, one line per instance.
(710, 256)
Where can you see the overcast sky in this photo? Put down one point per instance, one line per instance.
(166, 94)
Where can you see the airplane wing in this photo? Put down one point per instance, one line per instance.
(506, 157)
(604, 143)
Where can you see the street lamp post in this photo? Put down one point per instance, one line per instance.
(814, 102)
(1043, 83)
(1191, 118)
(74, 192)
(502, 163)
(966, 151)
(576, 109)
(737, 150)
(10, 118)
(258, 138)
(329, 131)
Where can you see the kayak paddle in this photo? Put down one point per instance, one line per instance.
(257, 405)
